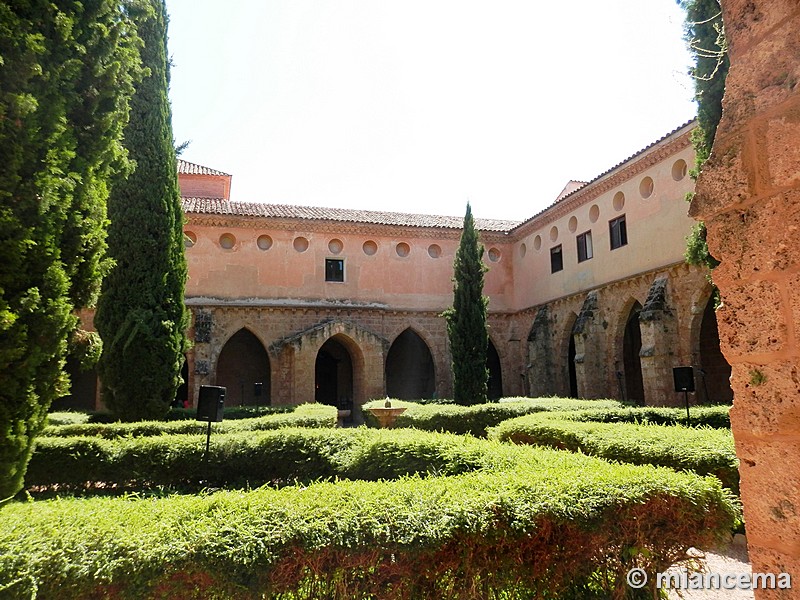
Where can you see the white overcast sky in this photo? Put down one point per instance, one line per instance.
(422, 105)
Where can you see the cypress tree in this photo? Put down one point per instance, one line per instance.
(66, 70)
(466, 319)
(141, 315)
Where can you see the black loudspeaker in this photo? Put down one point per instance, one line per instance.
(683, 378)
(257, 389)
(210, 403)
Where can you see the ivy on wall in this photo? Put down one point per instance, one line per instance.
(705, 37)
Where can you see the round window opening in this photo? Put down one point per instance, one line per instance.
(619, 201)
(264, 242)
(189, 239)
(402, 249)
(494, 254)
(537, 243)
(523, 250)
(679, 169)
(646, 187)
(227, 241)
(553, 233)
(434, 251)
(369, 247)
(300, 244)
(335, 246)
(594, 213)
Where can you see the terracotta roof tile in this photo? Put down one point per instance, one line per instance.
(187, 168)
(214, 206)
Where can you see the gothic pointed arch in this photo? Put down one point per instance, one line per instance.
(410, 370)
(714, 371)
(242, 363)
(334, 375)
(631, 362)
(568, 352)
(493, 364)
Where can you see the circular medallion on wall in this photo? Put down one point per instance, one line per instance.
(369, 247)
(523, 250)
(300, 244)
(619, 201)
(227, 241)
(594, 213)
(646, 187)
(335, 246)
(264, 242)
(537, 243)
(553, 233)
(679, 169)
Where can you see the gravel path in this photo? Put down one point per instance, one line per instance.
(732, 560)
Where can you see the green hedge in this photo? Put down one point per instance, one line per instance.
(304, 415)
(529, 522)
(475, 420)
(705, 451)
(255, 458)
(703, 416)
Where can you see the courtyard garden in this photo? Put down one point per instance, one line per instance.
(524, 498)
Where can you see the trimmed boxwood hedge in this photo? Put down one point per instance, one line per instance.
(525, 523)
(704, 450)
(716, 416)
(304, 415)
(255, 458)
(476, 419)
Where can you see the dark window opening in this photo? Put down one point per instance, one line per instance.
(585, 251)
(618, 232)
(334, 269)
(556, 259)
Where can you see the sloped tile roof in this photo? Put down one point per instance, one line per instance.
(571, 186)
(187, 168)
(214, 206)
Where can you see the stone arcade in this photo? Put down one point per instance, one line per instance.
(589, 298)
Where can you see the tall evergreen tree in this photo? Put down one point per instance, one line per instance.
(141, 315)
(66, 71)
(466, 319)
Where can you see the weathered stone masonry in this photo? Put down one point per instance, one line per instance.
(749, 196)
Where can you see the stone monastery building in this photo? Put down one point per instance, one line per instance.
(589, 298)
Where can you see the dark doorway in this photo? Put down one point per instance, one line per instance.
(495, 372)
(631, 347)
(333, 375)
(182, 395)
(242, 363)
(409, 368)
(573, 376)
(715, 386)
(82, 389)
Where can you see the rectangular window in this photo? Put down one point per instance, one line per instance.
(585, 246)
(556, 259)
(617, 232)
(334, 269)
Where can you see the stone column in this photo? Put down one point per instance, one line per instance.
(749, 196)
(659, 329)
(539, 368)
(590, 366)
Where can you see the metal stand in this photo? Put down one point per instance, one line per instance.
(208, 445)
(686, 400)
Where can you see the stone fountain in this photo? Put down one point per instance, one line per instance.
(387, 414)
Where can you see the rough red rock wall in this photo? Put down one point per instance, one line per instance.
(749, 196)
